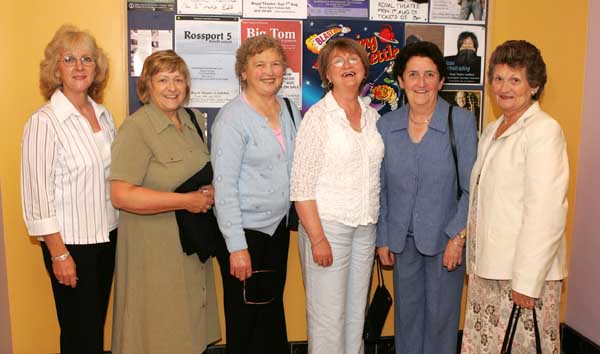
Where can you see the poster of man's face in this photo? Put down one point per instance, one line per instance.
(467, 99)
(463, 51)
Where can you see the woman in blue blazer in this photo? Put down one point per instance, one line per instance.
(424, 201)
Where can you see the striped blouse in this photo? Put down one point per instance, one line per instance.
(64, 173)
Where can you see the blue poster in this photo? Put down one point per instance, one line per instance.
(382, 42)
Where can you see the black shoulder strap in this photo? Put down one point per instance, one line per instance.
(194, 121)
(289, 108)
(454, 154)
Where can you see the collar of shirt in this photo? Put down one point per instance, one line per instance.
(64, 109)
(332, 105)
(439, 118)
(520, 123)
(160, 121)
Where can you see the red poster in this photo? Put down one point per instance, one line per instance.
(289, 34)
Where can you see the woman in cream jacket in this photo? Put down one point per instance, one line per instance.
(516, 248)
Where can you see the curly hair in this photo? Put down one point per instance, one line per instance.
(253, 46)
(163, 60)
(66, 38)
(521, 54)
(421, 49)
(344, 45)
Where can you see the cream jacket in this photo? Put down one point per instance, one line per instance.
(521, 203)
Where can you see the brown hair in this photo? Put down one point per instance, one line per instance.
(346, 45)
(66, 38)
(253, 46)
(521, 54)
(164, 60)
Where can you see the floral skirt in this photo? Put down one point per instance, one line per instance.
(489, 303)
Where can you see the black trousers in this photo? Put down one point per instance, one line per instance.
(82, 310)
(257, 328)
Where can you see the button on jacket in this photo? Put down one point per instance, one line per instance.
(418, 181)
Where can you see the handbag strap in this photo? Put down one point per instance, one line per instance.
(195, 122)
(511, 329)
(536, 329)
(380, 280)
(289, 109)
(454, 154)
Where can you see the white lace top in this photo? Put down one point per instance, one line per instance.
(337, 166)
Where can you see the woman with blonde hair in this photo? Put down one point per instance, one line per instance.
(65, 164)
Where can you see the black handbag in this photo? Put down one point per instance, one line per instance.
(378, 308)
(511, 329)
(293, 219)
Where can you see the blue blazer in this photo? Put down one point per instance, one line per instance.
(418, 181)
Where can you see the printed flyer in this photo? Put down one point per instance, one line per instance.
(208, 46)
(289, 33)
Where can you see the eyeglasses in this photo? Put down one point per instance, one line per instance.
(338, 62)
(71, 60)
(255, 287)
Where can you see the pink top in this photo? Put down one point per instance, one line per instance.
(279, 136)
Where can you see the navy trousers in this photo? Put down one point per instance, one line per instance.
(82, 310)
(427, 302)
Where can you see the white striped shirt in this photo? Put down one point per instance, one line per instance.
(64, 181)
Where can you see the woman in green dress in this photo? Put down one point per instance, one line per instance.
(165, 300)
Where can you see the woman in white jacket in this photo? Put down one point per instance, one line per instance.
(516, 248)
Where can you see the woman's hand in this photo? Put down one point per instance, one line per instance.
(523, 300)
(453, 253)
(386, 256)
(202, 200)
(240, 264)
(65, 272)
(321, 251)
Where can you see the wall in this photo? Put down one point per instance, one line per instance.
(5, 337)
(26, 27)
(583, 312)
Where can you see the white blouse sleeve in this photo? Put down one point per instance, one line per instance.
(308, 156)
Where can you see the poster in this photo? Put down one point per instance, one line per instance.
(382, 42)
(458, 11)
(151, 5)
(338, 8)
(208, 47)
(275, 9)
(468, 99)
(289, 33)
(395, 10)
(142, 43)
(210, 7)
(464, 48)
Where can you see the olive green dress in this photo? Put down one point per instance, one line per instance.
(165, 301)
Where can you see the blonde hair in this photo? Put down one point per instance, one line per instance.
(164, 60)
(253, 46)
(67, 37)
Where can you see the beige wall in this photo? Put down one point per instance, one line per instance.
(26, 27)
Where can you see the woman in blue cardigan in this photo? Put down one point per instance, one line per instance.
(424, 200)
